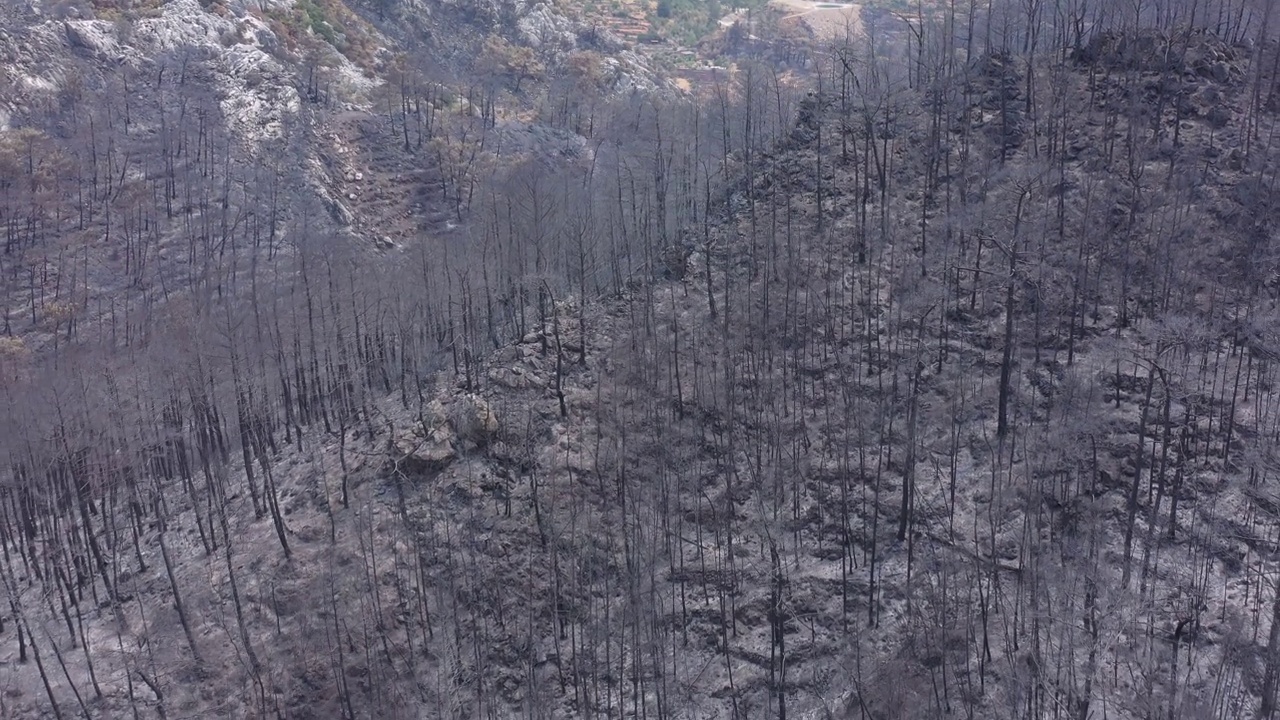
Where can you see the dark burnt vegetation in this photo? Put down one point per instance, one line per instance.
(945, 387)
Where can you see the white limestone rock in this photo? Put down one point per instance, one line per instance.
(543, 28)
(97, 37)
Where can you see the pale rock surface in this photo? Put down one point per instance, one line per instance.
(256, 94)
(98, 37)
(515, 378)
(430, 444)
(473, 420)
(543, 28)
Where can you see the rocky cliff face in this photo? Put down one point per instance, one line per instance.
(254, 87)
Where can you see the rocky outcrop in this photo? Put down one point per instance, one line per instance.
(467, 423)
(337, 210)
(473, 421)
(428, 446)
(182, 24)
(515, 378)
(543, 28)
(1195, 54)
(255, 88)
(97, 37)
(237, 53)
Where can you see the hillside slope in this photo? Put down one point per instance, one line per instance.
(942, 389)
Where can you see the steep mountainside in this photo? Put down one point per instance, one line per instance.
(434, 359)
(148, 135)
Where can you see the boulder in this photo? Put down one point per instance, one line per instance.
(98, 37)
(1219, 72)
(337, 210)
(429, 446)
(515, 378)
(473, 421)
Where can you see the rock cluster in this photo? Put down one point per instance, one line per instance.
(473, 421)
(467, 423)
(254, 88)
(97, 37)
(429, 445)
(543, 28)
(1190, 53)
